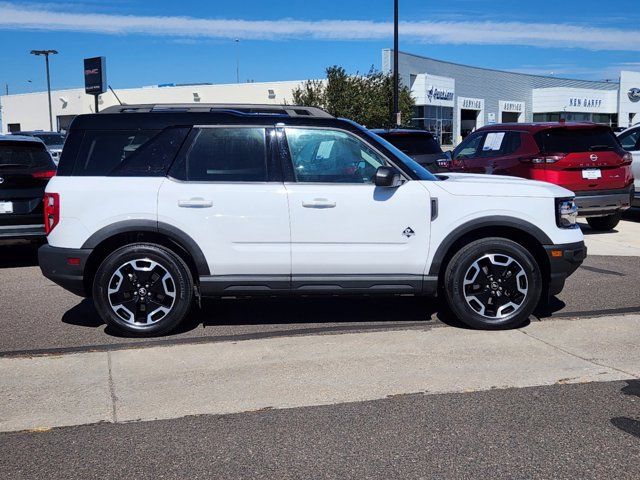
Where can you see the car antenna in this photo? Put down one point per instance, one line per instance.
(114, 94)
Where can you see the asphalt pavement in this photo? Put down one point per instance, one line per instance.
(38, 315)
(589, 431)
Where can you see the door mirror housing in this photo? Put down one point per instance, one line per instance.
(387, 177)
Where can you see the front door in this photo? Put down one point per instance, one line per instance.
(224, 195)
(345, 231)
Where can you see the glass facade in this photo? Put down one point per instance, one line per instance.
(437, 120)
(610, 119)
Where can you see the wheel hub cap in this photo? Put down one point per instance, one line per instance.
(495, 286)
(141, 292)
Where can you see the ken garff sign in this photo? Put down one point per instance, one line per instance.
(95, 75)
(634, 94)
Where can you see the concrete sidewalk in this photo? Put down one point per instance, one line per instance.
(171, 382)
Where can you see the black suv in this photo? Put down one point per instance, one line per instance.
(25, 169)
(418, 144)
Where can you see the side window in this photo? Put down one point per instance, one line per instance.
(102, 150)
(631, 140)
(500, 144)
(469, 147)
(331, 156)
(227, 154)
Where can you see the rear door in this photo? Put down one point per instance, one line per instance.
(225, 192)
(630, 141)
(587, 158)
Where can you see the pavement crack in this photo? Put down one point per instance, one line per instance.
(575, 355)
(112, 391)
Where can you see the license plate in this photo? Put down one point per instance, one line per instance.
(6, 207)
(591, 174)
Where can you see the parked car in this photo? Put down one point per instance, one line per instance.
(418, 144)
(155, 205)
(630, 140)
(25, 169)
(585, 158)
(53, 140)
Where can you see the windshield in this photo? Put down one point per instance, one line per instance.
(51, 139)
(421, 172)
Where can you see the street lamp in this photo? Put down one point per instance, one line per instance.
(46, 54)
(237, 41)
(396, 80)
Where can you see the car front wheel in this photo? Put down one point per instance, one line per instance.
(493, 283)
(143, 289)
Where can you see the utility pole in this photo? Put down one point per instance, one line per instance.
(396, 78)
(237, 40)
(46, 54)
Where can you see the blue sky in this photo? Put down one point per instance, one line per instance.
(161, 41)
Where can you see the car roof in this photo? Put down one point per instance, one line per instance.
(160, 116)
(19, 138)
(538, 126)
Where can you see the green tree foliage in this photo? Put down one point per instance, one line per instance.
(366, 99)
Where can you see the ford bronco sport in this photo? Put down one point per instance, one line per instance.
(155, 205)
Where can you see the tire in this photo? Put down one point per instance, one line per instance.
(604, 224)
(493, 283)
(143, 270)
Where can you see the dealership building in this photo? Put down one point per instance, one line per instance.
(451, 99)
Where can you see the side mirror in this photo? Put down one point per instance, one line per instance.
(387, 177)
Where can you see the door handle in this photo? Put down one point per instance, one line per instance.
(195, 203)
(318, 203)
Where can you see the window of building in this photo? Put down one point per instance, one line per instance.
(610, 119)
(437, 120)
(13, 127)
(330, 156)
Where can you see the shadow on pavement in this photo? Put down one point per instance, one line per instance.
(19, 255)
(272, 311)
(626, 424)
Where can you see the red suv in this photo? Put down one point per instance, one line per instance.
(583, 157)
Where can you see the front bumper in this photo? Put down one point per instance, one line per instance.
(55, 265)
(563, 261)
(604, 202)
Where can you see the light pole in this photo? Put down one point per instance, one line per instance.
(237, 40)
(46, 54)
(396, 78)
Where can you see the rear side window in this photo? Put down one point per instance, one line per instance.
(225, 154)
(630, 140)
(500, 144)
(567, 140)
(413, 143)
(23, 155)
(102, 151)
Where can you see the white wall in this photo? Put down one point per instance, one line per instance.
(30, 110)
(628, 81)
(561, 99)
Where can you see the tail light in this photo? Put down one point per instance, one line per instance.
(542, 159)
(44, 174)
(51, 211)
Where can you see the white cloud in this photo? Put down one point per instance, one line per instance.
(43, 17)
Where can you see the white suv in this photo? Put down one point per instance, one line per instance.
(155, 205)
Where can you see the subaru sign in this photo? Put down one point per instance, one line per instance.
(95, 75)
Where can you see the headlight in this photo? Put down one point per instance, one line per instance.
(566, 213)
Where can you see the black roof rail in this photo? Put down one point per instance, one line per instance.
(230, 108)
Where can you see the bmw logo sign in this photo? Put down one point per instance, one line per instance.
(634, 94)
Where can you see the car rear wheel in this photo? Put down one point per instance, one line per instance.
(604, 224)
(493, 283)
(143, 289)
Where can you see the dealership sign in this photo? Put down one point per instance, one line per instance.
(514, 107)
(95, 75)
(585, 102)
(472, 104)
(634, 94)
(435, 93)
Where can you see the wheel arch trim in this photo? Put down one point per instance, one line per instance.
(480, 223)
(132, 226)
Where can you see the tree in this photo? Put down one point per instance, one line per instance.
(366, 99)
